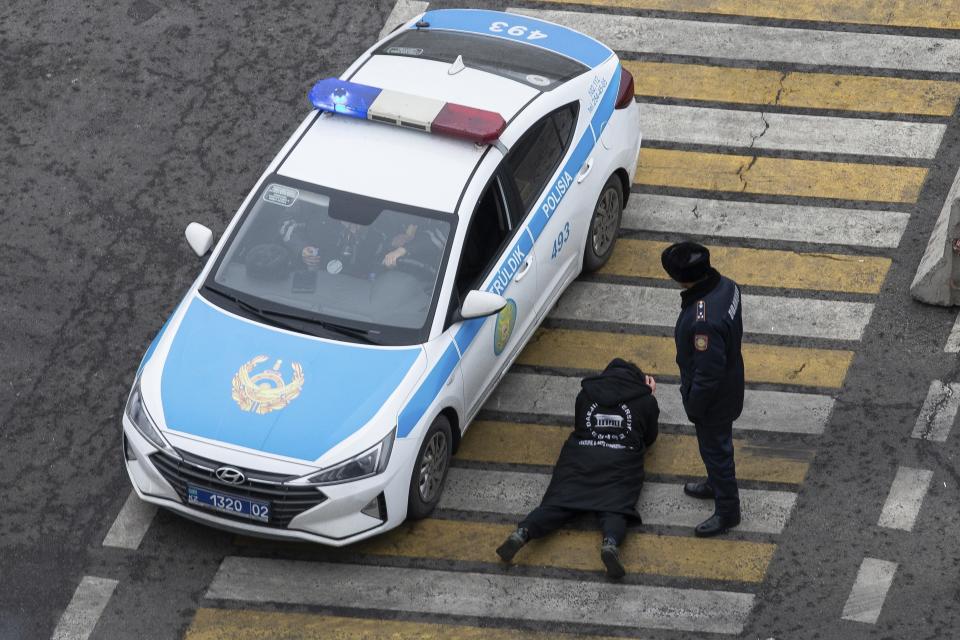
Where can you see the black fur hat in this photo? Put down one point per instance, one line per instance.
(686, 261)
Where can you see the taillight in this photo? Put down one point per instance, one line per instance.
(625, 94)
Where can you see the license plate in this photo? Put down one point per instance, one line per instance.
(226, 503)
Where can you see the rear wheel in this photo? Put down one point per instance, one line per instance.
(430, 469)
(604, 225)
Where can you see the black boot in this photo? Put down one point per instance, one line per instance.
(610, 555)
(512, 544)
(716, 524)
(701, 490)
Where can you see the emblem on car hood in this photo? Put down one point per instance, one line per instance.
(265, 391)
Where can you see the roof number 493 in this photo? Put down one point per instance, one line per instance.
(517, 31)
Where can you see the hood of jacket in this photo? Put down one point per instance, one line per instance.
(621, 381)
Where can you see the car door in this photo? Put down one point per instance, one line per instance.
(548, 191)
(497, 256)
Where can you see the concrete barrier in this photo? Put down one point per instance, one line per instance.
(938, 276)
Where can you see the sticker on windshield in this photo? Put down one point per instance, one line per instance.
(405, 51)
(278, 194)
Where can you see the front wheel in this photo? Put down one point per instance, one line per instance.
(430, 469)
(604, 225)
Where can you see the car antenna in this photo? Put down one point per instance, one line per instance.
(422, 24)
(457, 66)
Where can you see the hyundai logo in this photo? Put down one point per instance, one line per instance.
(230, 475)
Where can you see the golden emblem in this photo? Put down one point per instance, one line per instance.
(266, 391)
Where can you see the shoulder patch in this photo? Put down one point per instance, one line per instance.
(701, 311)
(701, 342)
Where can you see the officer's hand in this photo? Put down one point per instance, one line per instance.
(390, 260)
(650, 382)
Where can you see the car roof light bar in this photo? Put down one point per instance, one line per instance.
(405, 110)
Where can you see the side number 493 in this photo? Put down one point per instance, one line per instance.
(561, 240)
(517, 31)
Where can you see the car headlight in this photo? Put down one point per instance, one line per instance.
(369, 463)
(141, 419)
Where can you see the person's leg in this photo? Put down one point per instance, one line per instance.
(614, 527)
(716, 449)
(546, 519)
(540, 522)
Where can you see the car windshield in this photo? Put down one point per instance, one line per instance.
(338, 260)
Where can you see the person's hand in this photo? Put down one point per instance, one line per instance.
(390, 260)
(650, 382)
(310, 256)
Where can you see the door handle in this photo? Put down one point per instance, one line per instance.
(524, 269)
(585, 170)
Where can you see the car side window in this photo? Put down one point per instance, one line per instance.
(489, 228)
(534, 158)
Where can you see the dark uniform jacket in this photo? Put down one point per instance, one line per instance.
(708, 335)
(601, 464)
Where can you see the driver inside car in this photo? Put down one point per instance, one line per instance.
(422, 246)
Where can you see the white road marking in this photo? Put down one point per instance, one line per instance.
(481, 595)
(953, 341)
(132, 523)
(906, 496)
(938, 412)
(83, 612)
(762, 410)
(792, 223)
(402, 11)
(516, 494)
(780, 131)
(767, 315)
(749, 42)
(869, 590)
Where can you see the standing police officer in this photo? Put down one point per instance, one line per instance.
(708, 335)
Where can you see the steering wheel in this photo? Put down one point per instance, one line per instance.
(416, 268)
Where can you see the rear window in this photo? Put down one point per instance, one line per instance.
(534, 67)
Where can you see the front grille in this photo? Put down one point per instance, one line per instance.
(286, 501)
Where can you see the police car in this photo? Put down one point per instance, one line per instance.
(382, 275)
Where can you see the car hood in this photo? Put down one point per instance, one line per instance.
(239, 382)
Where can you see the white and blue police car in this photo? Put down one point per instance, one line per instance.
(382, 275)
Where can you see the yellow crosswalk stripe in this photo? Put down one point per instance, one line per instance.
(677, 556)
(573, 349)
(933, 14)
(247, 624)
(779, 176)
(761, 267)
(793, 89)
(671, 454)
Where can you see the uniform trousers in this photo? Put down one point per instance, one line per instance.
(546, 519)
(716, 450)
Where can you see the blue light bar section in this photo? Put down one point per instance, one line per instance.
(339, 96)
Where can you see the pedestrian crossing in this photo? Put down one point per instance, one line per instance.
(796, 153)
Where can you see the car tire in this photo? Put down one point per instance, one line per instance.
(430, 469)
(604, 225)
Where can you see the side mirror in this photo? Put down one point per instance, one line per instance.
(479, 304)
(199, 237)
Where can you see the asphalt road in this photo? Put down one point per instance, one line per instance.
(123, 122)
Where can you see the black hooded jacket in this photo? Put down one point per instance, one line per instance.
(601, 464)
(708, 335)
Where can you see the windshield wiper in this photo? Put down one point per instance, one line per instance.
(272, 317)
(351, 332)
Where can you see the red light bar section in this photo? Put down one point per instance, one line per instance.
(478, 125)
